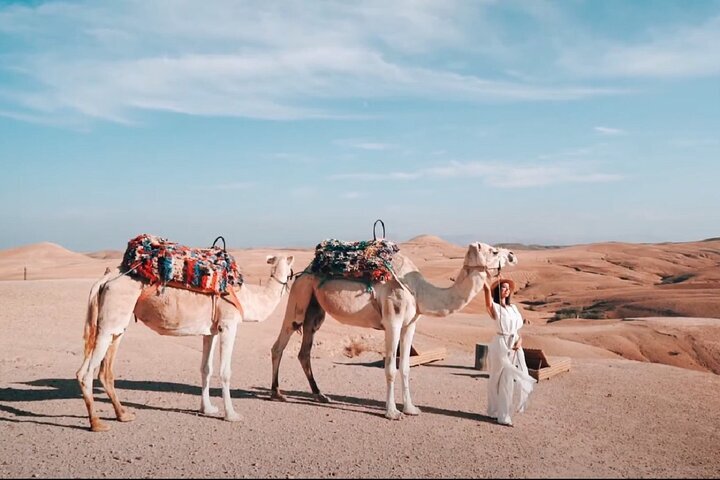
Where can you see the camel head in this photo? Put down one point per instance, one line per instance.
(281, 268)
(482, 255)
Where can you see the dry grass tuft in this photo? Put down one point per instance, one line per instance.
(366, 342)
(356, 347)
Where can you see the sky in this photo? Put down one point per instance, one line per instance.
(280, 124)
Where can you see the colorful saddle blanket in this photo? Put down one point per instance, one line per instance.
(368, 261)
(155, 259)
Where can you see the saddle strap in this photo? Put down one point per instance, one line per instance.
(232, 298)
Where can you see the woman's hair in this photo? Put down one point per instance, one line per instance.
(496, 294)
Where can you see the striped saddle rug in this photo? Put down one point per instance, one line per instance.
(366, 261)
(157, 260)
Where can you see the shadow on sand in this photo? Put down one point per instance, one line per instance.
(362, 405)
(49, 389)
(381, 364)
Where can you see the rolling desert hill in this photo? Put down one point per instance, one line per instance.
(647, 302)
(594, 281)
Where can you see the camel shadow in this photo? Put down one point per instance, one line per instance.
(361, 405)
(444, 365)
(56, 389)
(381, 364)
(68, 389)
(472, 375)
(478, 374)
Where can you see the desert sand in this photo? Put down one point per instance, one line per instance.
(639, 322)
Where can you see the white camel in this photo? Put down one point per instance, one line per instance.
(394, 306)
(171, 311)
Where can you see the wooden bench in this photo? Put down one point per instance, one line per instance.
(417, 358)
(542, 367)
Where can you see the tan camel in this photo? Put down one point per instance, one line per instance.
(171, 311)
(394, 306)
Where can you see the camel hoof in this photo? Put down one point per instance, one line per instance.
(98, 426)
(233, 417)
(412, 410)
(278, 397)
(126, 416)
(393, 415)
(210, 410)
(322, 398)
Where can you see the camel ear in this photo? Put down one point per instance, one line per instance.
(270, 259)
(290, 259)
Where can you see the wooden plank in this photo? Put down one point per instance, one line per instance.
(556, 365)
(535, 358)
(428, 356)
(417, 358)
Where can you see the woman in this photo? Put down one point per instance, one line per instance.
(509, 385)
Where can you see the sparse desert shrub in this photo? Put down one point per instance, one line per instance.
(571, 312)
(671, 279)
(355, 347)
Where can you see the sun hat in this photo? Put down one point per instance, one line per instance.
(513, 287)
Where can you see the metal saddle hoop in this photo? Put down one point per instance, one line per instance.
(223, 241)
(375, 226)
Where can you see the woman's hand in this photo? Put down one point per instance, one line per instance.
(518, 344)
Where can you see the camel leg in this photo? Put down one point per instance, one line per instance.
(206, 406)
(227, 341)
(406, 337)
(107, 378)
(314, 318)
(298, 301)
(85, 378)
(109, 312)
(392, 324)
(277, 351)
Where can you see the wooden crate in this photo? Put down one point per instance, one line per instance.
(542, 367)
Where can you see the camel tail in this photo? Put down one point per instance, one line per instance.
(91, 318)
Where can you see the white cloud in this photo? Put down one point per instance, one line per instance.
(688, 51)
(609, 131)
(494, 174)
(232, 186)
(694, 142)
(112, 61)
(364, 144)
(303, 192)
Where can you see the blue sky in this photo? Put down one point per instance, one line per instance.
(281, 124)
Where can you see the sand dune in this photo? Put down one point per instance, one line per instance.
(41, 261)
(639, 401)
(605, 283)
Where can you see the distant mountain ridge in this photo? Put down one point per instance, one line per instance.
(522, 246)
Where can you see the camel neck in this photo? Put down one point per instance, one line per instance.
(259, 301)
(438, 301)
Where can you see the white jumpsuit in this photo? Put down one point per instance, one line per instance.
(509, 384)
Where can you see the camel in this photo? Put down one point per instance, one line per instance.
(176, 312)
(393, 306)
